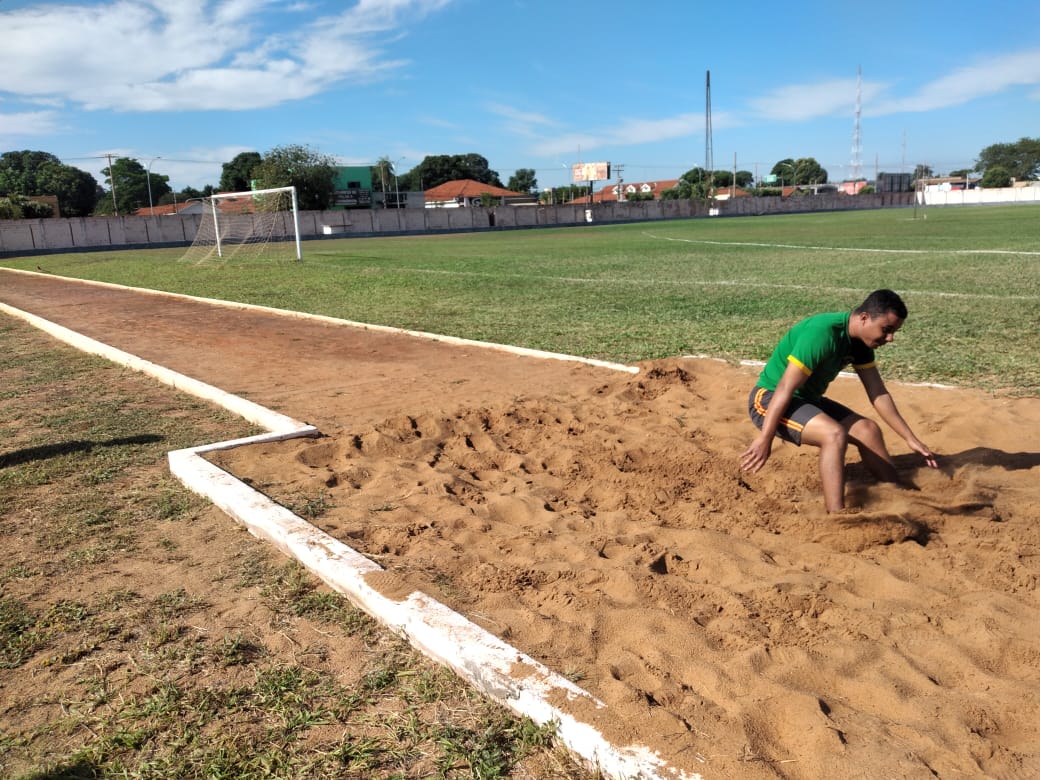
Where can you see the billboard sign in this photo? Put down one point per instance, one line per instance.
(598, 171)
(353, 198)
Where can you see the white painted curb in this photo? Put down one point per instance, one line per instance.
(254, 413)
(498, 670)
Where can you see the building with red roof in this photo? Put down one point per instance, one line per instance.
(463, 193)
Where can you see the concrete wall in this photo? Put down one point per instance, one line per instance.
(938, 197)
(35, 236)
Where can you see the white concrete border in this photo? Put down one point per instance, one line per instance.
(498, 670)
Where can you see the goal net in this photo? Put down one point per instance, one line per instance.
(254, 226)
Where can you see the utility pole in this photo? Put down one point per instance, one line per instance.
(619, 169)
(709, 152)
(112, 178)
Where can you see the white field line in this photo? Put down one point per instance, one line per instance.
(862, 249)
(493, 667)
(706, 283)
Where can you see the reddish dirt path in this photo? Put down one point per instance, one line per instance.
(323, 374)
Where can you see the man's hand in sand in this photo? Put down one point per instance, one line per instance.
(754, 457)
(924, 451)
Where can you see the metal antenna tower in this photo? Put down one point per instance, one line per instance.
(709, 153)
(857, 146)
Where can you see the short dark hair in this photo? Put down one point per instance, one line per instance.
(880, 302)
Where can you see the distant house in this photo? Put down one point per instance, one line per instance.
(242, 204)
(725, 193)
(609, 193)
(466, 193)
(852, 187)
(948, 183)
(167, 209)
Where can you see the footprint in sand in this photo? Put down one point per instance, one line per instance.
(856, 532)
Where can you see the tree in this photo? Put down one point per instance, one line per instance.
(785, 170)
(922, 172)
(996, 176)
(523, 180)
(10, 208)
(437, 169)
(1021, 159)
(130, 181)
(20, 207)
(804, 170)
(565, 194)
(962, 173)
(692, 184)
(721, 179)
(237, 175)
(311, 172)
(41, 173)
(381, 172)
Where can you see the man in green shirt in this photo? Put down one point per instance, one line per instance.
(788, 400)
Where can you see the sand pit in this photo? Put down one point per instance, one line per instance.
(605, 529)
(598, 521)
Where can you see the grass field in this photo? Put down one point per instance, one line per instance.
(724, 287)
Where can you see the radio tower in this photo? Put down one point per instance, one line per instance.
(857, 146)
(709, 153)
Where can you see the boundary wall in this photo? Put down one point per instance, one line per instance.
(41, 236)
(977, 196)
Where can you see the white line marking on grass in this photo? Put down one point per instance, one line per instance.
(861, 249)
(712, 283)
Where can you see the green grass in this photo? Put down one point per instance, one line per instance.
(724, 287)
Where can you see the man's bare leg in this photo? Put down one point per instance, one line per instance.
(826, 433)
(867, 436)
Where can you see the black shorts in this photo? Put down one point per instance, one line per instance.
(797, 414)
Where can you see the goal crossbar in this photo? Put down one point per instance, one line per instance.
(253, 193)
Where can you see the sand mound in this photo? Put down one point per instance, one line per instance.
(607, 530)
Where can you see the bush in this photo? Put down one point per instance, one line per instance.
(9, 209)
(20, 207)
(997, 176)
(31, 209)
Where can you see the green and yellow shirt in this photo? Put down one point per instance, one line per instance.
(821, 347)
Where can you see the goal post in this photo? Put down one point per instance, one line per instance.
(255, 225)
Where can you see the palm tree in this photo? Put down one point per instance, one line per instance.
(384, 167)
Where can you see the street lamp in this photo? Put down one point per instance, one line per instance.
(397, 190)
(148, 176)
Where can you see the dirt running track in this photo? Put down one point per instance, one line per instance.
(597, 521)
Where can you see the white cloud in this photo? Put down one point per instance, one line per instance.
(150, 55)
(29, 123)
(800, 102)
(519, 117)
(837, 97)
(628, 132)
(981, 79)
(434, 121)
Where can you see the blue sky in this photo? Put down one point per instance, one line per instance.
(185, 85)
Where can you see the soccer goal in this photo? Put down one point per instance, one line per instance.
(259, 225)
